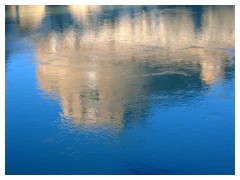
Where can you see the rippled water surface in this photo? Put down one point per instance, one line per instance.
(120, 89)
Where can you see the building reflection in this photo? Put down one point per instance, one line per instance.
(27, 17)
(107, 62)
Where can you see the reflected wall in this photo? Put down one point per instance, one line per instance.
(104, 62)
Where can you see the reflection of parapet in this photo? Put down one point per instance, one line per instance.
(28, 17)
(218, 29)
(81, 12)
(177, 29)
(173, 28)
(76, 66)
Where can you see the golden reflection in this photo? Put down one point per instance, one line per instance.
(28, 17)
(93, 72)
(218, 27)
(81, 12)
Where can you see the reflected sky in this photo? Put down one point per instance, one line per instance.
(109, 65)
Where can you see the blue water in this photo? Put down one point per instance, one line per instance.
(120, 90)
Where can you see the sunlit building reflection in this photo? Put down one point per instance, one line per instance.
(99, 71)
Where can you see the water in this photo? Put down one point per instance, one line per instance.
(120, 89)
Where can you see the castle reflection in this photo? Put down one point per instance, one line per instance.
(103, 62)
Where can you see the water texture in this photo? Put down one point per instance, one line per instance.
(120, 89)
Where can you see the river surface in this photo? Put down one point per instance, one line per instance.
(120, 89)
